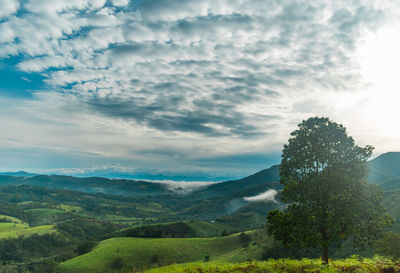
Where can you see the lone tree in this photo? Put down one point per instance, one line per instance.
(323, 172)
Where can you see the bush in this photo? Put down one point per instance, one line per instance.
(224, 233)
(118, 263)
(244, 239)
(155, 259)
(85, 247)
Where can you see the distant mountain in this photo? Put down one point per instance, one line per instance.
(19, 174)
(112, 174)
(384, 168)
(253, 184)
(89, 185)
(393, 184)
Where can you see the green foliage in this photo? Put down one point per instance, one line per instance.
(155, 259)
(117, 263)
(85, 229)
(23, 248)
(85, 247)
(172, 230)
(389, 245)
(322, 171)
(244, 239)
(350, 265)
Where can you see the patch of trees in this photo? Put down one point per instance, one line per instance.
(22, 248)
(244, 239)
(82, 229)
(85, 247)
(174, 230)
(12, 210)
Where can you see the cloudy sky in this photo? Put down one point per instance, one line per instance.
(196, 88)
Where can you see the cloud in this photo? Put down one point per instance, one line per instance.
(215, 77)
(268, 196)
(182, 187)
(8, 7)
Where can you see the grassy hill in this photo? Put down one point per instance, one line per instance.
(140, 253)
(12, 227)
(12, 230)
(378, 265)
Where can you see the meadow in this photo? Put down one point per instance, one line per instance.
(13, 227)
(142, 253)
(353, 265)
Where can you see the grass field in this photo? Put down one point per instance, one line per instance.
(209, 229)
(141, 253)
(12, 219)
(354, 265)
(70, 208)
(13, 230)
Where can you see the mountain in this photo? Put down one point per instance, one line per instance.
(384, 168)
(206, 202)
(19, 174)
(126, 187)
(89, 185)
(253, 184)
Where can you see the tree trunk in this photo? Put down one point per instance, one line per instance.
(325, 255)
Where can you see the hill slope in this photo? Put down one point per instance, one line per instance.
(385, 167)
(141, 253)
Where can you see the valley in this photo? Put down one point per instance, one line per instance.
(76, 225)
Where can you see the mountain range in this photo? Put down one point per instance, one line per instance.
(384, 170)
(206, 200)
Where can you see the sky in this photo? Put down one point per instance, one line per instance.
(190, 89)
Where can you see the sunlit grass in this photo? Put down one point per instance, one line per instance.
(354, 264)
(14, 230)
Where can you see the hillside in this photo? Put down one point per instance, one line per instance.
(135, 188)
(137, 223)
(206, 203)
(89, 184)
(384, 167)
(138, 253)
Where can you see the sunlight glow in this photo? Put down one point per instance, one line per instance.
(380, 59)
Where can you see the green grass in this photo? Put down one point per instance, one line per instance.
(70, 208)
(45, 211)
(140, 252)
(209, 229)
(14, 230)
(12, 219)
(116, 218)
(355, 265)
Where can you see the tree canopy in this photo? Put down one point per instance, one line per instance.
(323, 172)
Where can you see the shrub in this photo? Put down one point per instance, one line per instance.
(118, 263)
(244, 239)
(155, 259)
(85, 247)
